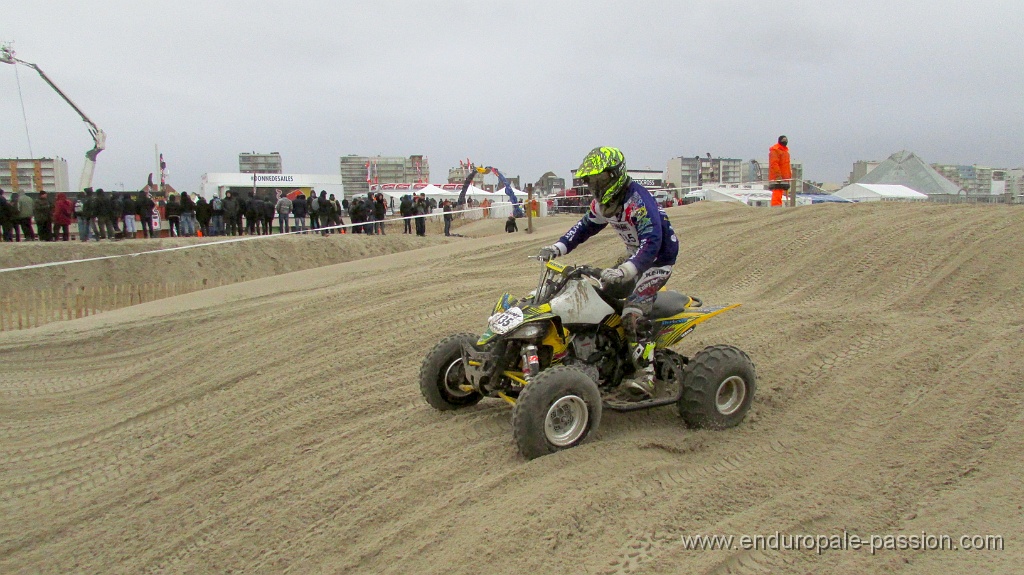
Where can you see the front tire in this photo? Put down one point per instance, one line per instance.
(559, 409)
(718, 388)
(442, 374)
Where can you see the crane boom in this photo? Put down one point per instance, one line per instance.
(99, 138)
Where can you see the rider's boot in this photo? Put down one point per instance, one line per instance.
(641, 350)
(643, 359)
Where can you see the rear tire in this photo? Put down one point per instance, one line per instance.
(560, 409)
(442, 373)
(718, 388)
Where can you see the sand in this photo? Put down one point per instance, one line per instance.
(275, 425)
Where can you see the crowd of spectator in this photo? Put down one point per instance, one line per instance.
(107, 216)
(98, 215)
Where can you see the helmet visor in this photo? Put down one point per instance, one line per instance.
(598, 184)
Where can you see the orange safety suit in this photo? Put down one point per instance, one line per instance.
(779, 171)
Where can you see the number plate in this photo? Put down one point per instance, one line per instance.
(504, 322)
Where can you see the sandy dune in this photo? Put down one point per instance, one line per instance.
(275, 425)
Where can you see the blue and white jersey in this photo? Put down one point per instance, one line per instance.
(642, 225)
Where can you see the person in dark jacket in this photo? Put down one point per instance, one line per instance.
(405, 208)
(299, 210)
(231, 211)
(6, 217)
(447, 207)
(253, 214)
(339, 219)
(42, 211)
(269, 211)
(128, 213)
(188, 215)
(116, 212)
(104, 209)
(355, 214)
(380, 211)
(145, 206)
(421, 209)
(313, 205)
(510, 225)
(173, 212)
(324, 210)
(63, 214)
(203, 215)
(83, 213)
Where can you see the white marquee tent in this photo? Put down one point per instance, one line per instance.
(879, 192)
(394, 193)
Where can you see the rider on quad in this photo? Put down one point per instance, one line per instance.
(642, 225)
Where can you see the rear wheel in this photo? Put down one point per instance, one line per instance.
(559, 409)
(442, 375)
(718, 388)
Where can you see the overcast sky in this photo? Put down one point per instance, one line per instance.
(526, 86)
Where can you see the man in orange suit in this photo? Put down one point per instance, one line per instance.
(779, 171)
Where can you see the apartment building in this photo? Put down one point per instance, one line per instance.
(33, 175)
(358, 172)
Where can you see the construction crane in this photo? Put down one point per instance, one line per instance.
(755, 168)
(99, 138)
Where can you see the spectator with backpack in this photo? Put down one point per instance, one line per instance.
(284, 212)
(216, 216)
(83, 212)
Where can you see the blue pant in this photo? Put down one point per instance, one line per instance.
(282, 223)
(188, 224)
(83, 229)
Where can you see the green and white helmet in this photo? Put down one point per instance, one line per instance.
(604, 172)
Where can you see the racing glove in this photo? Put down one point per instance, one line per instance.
(550, 252)
(616, 275)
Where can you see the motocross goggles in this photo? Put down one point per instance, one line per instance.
(598, 184)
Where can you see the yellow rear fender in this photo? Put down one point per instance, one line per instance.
(672, 329)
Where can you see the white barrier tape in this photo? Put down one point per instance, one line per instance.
(227, 241)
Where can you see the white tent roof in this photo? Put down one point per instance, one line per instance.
(906, 169)
(876, 192)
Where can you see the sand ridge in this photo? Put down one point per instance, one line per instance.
(275, 425)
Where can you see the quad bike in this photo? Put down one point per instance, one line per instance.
(559, 354)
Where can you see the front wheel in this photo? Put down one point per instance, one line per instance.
(442, 375)
(718, 388)
(559, 409)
